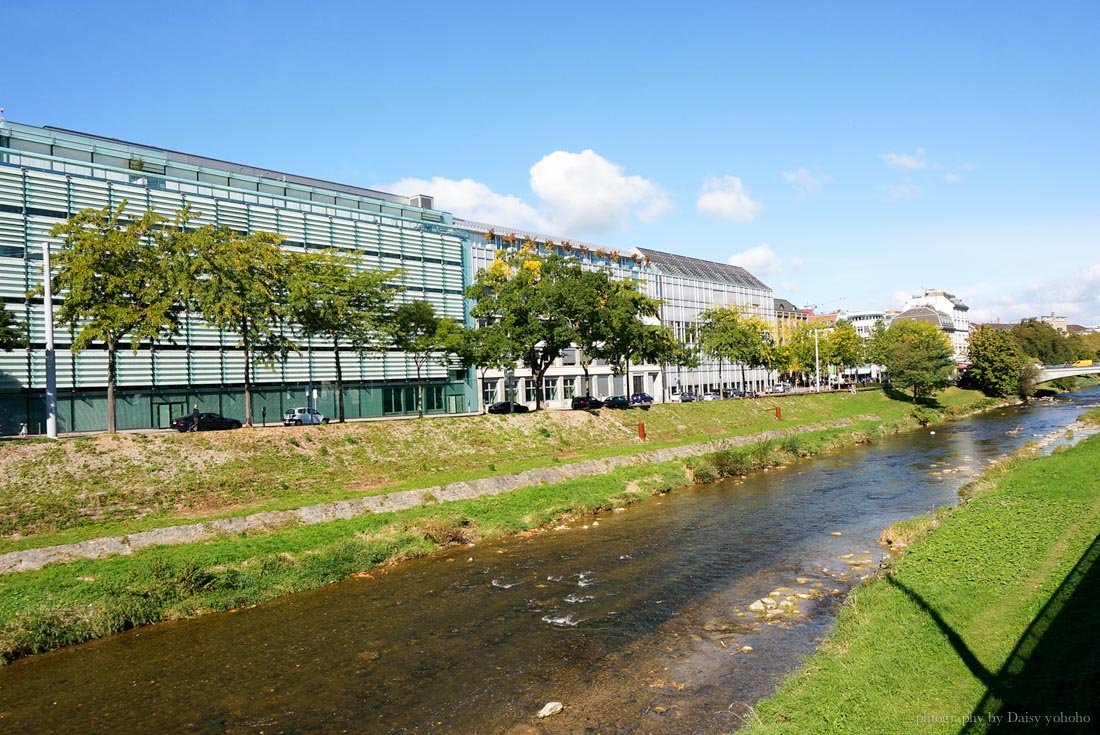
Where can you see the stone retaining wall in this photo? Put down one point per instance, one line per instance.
(31, 559)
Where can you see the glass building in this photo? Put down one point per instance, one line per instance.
(48, 174)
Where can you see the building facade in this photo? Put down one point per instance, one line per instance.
(951, 315)
(48, 174)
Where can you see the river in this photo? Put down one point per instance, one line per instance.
(638, 621)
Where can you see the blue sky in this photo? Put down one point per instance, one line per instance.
(848, 154)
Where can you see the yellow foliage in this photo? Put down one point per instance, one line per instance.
(499, 269)
(534, 267)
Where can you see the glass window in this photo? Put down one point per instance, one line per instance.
(569, 386)
(569, 357)
(489, 391)
(531, 388)
(550, 389)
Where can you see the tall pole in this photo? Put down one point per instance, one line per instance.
(817, 365)
(51, 358)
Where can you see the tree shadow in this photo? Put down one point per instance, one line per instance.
(895, 394)
(1051, 680)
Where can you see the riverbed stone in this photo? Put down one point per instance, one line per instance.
(550, 708)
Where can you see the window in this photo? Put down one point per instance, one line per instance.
(531, 390)
(569, 388)
(569, 357)
(489, 392)
(550, 389)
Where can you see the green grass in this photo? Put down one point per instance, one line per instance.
(992, 615)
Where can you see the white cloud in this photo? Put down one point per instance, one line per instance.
(913, 162)
(578, 193)
(726, 198)
(903, 192)
(1077, 298)
(762, 260)
(470, 199)
(950, 177)
(806, 180)
(585, 193)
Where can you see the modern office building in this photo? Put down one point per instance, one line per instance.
(49, 174)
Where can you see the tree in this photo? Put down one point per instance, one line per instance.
(628, 329)
(806, 351)
(117, 277)
(878, 344)
(1043, 342)
(727, 333)
(485, 348)
(240, 284)
(12, 331)
(332, 299)
(522, 294)
(919, 358)
(423, 336)
(845, 346)
(996, 362)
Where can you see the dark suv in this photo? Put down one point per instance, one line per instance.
(586, 402)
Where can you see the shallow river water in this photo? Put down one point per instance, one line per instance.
(637, 621)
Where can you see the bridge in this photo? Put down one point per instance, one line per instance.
(1053, 372)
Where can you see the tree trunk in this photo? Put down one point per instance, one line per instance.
(743, 382)
(112, 379)
(248, 386)
(587, 379)
(419, 393)
(339, 382)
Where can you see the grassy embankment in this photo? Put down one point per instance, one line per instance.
(987, 620)
(100, 486)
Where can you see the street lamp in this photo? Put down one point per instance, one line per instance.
(817, 365)
(51, 357)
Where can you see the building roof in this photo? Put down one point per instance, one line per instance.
(930, 315)
(782, 306)
(682, 265)
(239, 168)
(998, 326)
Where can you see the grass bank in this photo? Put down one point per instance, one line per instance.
(988, 620)
(64, 604)
(69, 491)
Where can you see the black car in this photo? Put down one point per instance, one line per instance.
(617, 402)
(508, 407)
(688, 398)
(207, 422)
(586, 402)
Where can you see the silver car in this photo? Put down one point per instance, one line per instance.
(299, 416)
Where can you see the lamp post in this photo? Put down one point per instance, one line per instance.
(51, 358)
(817, 365)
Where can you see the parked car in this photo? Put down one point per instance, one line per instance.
(585, 402)
(777, 388)
(617, 402)
(688, 398)
(712, 397)
(508, 407)
(641, 399)
(207, 422)
(299, 416)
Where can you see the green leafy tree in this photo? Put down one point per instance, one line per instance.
(12, 331)
(485, 348)
(425, 337)
(332, 299)
(627, 320)
(118, 279)
(522, 295)
(728, 333)
(845, 346)
(590, 293)
(241, 284)
(997, 362)
(806, 352)
(1043, 342)
(878, 344)
(919, 358)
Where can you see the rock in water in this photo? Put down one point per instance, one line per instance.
(551, 708)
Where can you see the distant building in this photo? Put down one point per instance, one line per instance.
(947, 312)
(1058, 322)
(864, 321)
(787, 319)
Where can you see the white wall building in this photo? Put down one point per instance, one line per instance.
(952, 317)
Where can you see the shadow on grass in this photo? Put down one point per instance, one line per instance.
(1053, 674)
(1051, 680)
